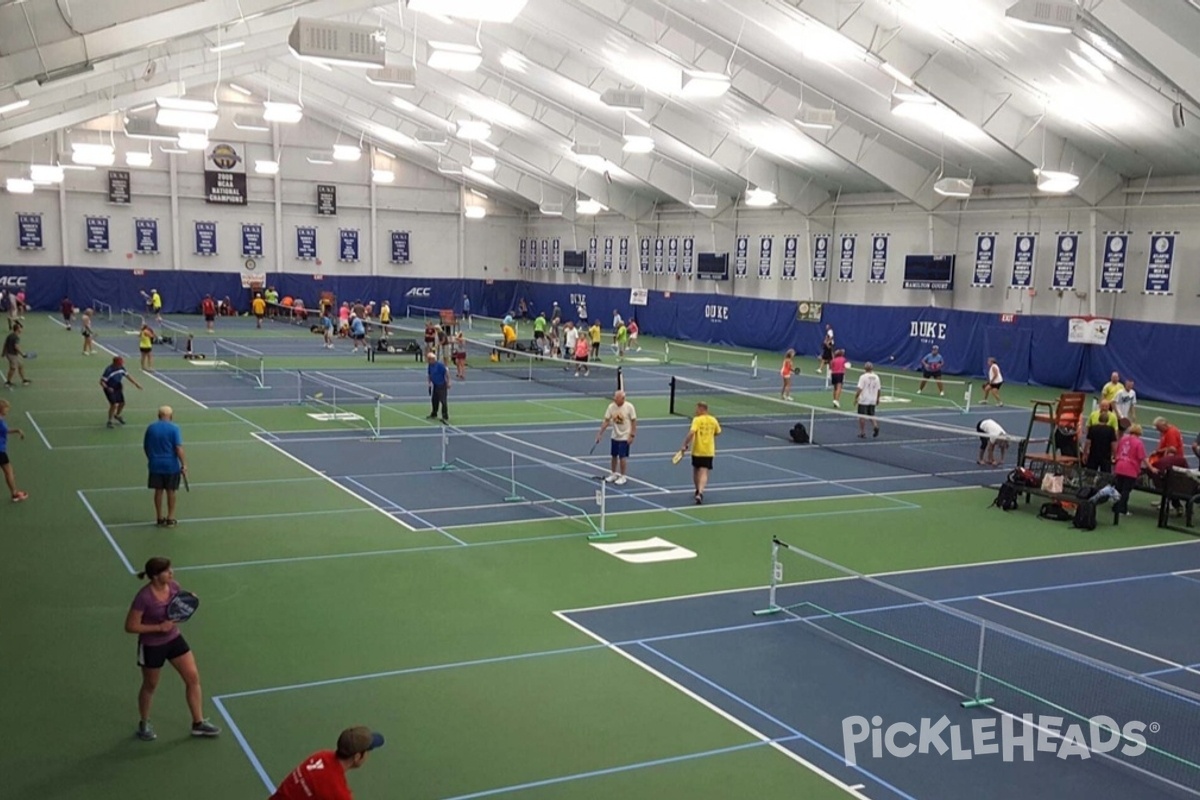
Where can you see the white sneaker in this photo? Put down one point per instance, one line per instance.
(621, 481)
(941, 394)
(611, 478)
(836, 404)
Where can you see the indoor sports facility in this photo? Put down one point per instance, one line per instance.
(455, 399)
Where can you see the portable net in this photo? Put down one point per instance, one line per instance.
(712, 359)
(243, 363)
(340, 401)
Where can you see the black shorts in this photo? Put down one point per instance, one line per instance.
(87, 334)
(146, 349)
(158, 480)
(996, 386)
(115, 396)
(67, 315)
(358, 337)
(153, 656)
(836, 378)
(702, 462)
(539, 334)
(209, 317)
(866, 411)
(581, 359)
(3, 458)
(931, 373)
(827, 354)
(983, 440)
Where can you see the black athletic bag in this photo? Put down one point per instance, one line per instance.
(1085, 516)
(799, 433)
(1055, 512)
(1006, 498)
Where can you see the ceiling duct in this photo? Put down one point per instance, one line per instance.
(144, 128)
(393, 77)
(337, 43)
(624, 99)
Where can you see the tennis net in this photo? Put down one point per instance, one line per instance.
(713, 359)
(290, 315)
(1028, 681)
(243, 363)
(101, 311)
(131, 320)
(899, 388)
(340, 401)
(174, 335)
(908, 444)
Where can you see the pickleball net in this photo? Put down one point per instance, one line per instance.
(906, 388)
(241, 362)
(336, 400)
(903, 443)
(1103, 708)
(711, 359)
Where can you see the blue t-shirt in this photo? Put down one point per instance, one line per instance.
(467, 305)
(113, 375)
(357, 328)
(934, 362)
(3, 436)
(161, 439)
(438, 373)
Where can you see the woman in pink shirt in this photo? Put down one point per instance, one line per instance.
(837, 375)
(1128, 464)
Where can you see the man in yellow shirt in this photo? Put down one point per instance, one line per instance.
(594, 335)
(702, 438)
(1114, 385)
(259, 307)
(510, 339)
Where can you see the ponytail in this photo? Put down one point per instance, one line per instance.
(155, 566)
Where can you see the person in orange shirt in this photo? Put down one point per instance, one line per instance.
(786, 372)
(322, 776)
(1170, 441)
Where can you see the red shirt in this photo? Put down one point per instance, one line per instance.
(1171, 437)
(838, 365)
(208, 307)
(320, 777)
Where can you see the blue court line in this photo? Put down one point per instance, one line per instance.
(403, 511)
(245, 745)
(1169, 670)
(839, 758)
(107, 534)
(624, 768)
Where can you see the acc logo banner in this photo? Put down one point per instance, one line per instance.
(14, 281)
(418, 291)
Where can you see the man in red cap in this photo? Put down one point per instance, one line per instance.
(114, 390)
(322, 776)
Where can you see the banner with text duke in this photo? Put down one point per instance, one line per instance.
(348, 245)
(206, 238)
(145, 237)
(97, 234)
(1162, 259)
(252, 240)
(400, 247)
(29, 232)
(306, 243)
(1112, 271)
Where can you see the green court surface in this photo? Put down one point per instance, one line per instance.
(450, 648)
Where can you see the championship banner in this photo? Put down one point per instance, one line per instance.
(741, 258)
(1023, 261)
(1088, 330)
(623, 255)
(145, 237)
(555, 254)
(326, 200)
(593, 253)
(766, 245)
(689, 256)
(523, 260)
(348, 245)
(820, 258)
(659, 248)
(879, 257)
(29, 232)
(673, 255)
(791, 246)
(1066, 254)
(306, 243)
(608, 253)
(846, 262)
(206, 238)
(545, 262)
(644, 254)
(252, 240)
(985, 260)
(97, 234)
(1162, 258)
(400, 247)
(1112, 270)
(225, 174)
(118, 187)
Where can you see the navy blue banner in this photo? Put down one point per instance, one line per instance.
(1112, 271)
(1024, 257)
(1066, 253)
(400, 247)
(673, 256)
(879, 257)
(348, 245)
(985, 260)
(644, 254)
(1162, 259)
(29, 232)
(556, 254)
(97, 234)
(820, 258)
(593, 254)
(522, 258)
(145, 237)
(846, 261)
(766, 245)
(608, 253)
(741, 257)
(544, 264)
(252, 240)
(689, 256)
(659, 249)
(306, 243)
(623, 255)
(206, 238)
(791, 245)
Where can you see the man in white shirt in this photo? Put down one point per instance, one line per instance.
(570, 338)
(1125, 402)
(991, 441)
(866, 397)
(622, 416)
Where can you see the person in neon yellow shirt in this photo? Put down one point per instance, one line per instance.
(1114, 385)
(594, 334)
(702, 438)
(146, 347)
(622, 340)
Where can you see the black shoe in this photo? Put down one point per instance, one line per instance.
(119, 419)
(875, 435)
(432, 416)
(25, 381)
(445, 420)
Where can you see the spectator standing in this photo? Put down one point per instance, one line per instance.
(322, 776)
(466, 306)
(931, 367)
(866, 398)
(327, 327)
(1128, 462)
(358, 333)
(837, 375)
(633, 336)
(570, 339)
(156, 305)
(146, 347)
(258, 306)
(166, 462)
(582, 348)
(622, 416)
(785, 372)
(67, 308)
(1110, 389)
(539, 334)
(385, 313)
(209, 309)
(439, 386)
(85, 323)
(112, 382)
(1100, 444)
(595, 335)
(458, 353)
(14, 356)
(1125, 401)
(6, 466)
(622, 340)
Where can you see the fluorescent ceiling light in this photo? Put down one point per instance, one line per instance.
(17, 106)
(1055, 182)
(320, 158)
(173, 151)
(431, 138)
(393, 77)
(703, 201)
(589, 207)
(1097, 58)
(955, 187)
(475, 212)
(635, 143)
(180, 112)
(478, 193)
(624, 99)
(193, 140)
(759, 198)
(482, 10)
(46, 173)
(346, 152)
(249, 122)
(383, 176)
(78, 167)
(92, 154)
(551, 209)
(474, 130)
(1048, 16)
(483, 163)
(137, 158)
(265, 167)
(240, 89)
(452, 57)
(820, 119)
(222, 48)
(514, 61)
(288, 113)
(72, 71)
(19, 186)
(896, 74)
(704, 84)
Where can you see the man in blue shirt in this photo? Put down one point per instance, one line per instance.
(163, 445)
(358, 332)
(439, 386)
(114, 389)
(467, 310)
(931, 367)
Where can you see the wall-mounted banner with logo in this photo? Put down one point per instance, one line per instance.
(593, 254)
(118, 187)
(1066, 253)
(400, 254)
(252, 240)
(623, 255)
(791, 245)
(545, 263)
(660, 248)
(741, 257)
(1162, 258)
(556, 254)
(689, 256)
(673, 255)
(766, 246)
(1024, 256)
(348, 245)
(523, 260)
(306, 243)
(225, 174)
(29, 232)
(985, 260)
(879, 256)
(608, 253)
(644, 254)
(97, 234)
(326, 200)
(206, 238)
(145, 237)
(639, 297)
(1088, 330)
(846, 260)
(1112, 270)
(820, 258)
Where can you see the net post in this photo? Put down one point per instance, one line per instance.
(602, 500)
(378, 431)
(262, 374)
(967, 397)
(671, 407)
(977, 700)
(812, 424)
(754, 366)
(513, 497)
(666, 352)
(445, 465)
(776, 577)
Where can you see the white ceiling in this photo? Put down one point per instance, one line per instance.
(1097, 102)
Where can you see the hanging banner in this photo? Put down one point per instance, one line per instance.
(326, 200)
(1088, 330)
(741, 257)
(1024, 256)
(555, 254)
(593, 254)
(1162, 258)
(608, 253)
(1066, 253)
(145, 237)
(1112, 271)
(400, 247)
(623, 255)
(879, 256)
(659, 249)
(985, 260)
(820, 258)
(206, 238)
(29, 232)
(252, 240)
(348, 245)
(97, 234)
(766, 244)
(523, 261)
(673, 256)
(225, 174)
(791, 246)
(118, 187)
(846, 261)
(644, 254)
(545, 262)
(306, 243)
(689, 256)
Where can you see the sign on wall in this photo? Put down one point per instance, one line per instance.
(118, 187)
(741, 257)
(820, 258)
(545, 262)
(556, 254)
(608, 253)
(673, 255)
(659, 250)
(400, 253)
(96, 234)
(206, 238)
(1066, 253)
(1112, 271)
(225, 174)
(252, 240)
(846, 261)
(592, 253)
(1162, 259)
(791, 245)
(644, 254)
(326, 200)
(985, 260)
(306, 243)
(145, 237)
(1024, 257)
(523, 259)
(29, 232)
(879, 257)
(348, 245)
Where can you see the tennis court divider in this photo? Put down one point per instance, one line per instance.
(242, 362)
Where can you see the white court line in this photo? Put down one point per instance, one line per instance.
(38, 428)
(581, 461)
(107, 535)
(178, 388)
(405, 511)
(240, 418)
(246, 517)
